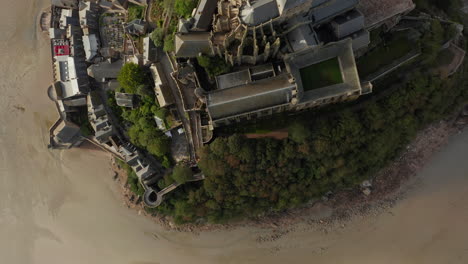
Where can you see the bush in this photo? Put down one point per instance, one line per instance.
(157, 36)
(432, 42)
(135, 11)
(184, 8)
(213, 65)
(181, 174)
(169, 44)
(130, 77)
(145, 134)
(135, 185)
(132, 178)
(298, 132)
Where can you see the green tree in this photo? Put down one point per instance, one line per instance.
(157, 36)
(213, 65)
(432, 42)
(298, 132)
(184, 8)
(182, 173)
(130, 77)
(169, 44)
(144, 91)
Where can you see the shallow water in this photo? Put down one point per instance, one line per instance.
(63, 206)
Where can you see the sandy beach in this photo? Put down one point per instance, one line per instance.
(64, 206)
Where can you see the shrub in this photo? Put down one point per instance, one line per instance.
(157, 36)
(184, 8)
(181, 174)
(169, 44)
(213, 65)
(130, 77)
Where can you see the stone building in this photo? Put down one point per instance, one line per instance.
(301, 54)
(99, 119)
(267, 89)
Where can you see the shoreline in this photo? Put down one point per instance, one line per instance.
(388, 186)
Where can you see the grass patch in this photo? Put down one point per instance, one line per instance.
(322, 74)
(384, 55)
(135, 12)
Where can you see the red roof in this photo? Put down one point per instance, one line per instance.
(61, 50)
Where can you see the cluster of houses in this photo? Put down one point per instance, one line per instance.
(88, 51)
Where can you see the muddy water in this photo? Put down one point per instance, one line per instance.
(63, 207)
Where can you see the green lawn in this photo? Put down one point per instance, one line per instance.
(322, 74)
(382, 56)
(135, 11)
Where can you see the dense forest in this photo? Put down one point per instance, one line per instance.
(248, 177)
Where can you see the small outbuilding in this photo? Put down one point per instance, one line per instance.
(136, 27)
(125, 100)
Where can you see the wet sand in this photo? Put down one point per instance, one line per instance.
(64, 207)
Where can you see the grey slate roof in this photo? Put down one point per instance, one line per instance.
(161, 87)
(66, 131)
(125, 99)
(302, 37)
(361, 39)
(190, 45)
(65, 3)
(348, 23)
(136, 27)
(204, 14)
(233, 79)
(250, 97)
(330, 9)
(184, 25)
(105, 70)
(150, 51)
(259, 11)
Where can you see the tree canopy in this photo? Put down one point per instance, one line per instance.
(184, 8)
(169, 44)
(130, 77)
(213, 65)
(157, 36)
(182, 173)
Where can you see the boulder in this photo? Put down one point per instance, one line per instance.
(366, 192)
